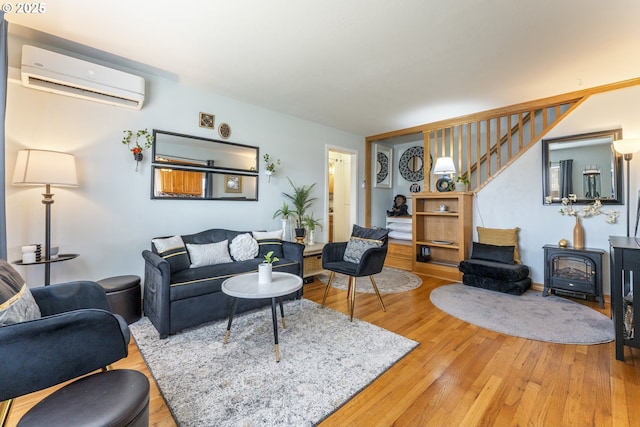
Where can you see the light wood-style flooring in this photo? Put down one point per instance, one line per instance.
(462, 375)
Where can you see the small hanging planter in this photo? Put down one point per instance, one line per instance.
(137, 149)
(269, 166)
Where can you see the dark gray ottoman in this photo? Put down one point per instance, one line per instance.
(125, 298)
(115, 398)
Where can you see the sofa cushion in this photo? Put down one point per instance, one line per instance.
(269, 241)
(172, 249)
(243, 247)
(502, 254)
(361, 240)
(16, 302)
(209, 254)
(500, 237)
(494, 270)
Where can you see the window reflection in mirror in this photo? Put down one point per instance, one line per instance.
(189, 167)
(585, 165)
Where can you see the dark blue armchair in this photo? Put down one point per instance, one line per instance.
(373, 244)
(77, 334)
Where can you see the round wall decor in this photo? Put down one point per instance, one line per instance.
(224, 130)
(412, 164)
(382, 166)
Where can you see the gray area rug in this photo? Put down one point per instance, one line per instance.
(390, 280)
(530, 315)
(324, 361)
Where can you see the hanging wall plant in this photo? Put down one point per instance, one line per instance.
(134, 144)
(269, 166)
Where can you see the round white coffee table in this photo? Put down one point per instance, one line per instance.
(247, 286)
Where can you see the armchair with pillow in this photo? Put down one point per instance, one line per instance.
(184, 274)
(52, 334)
(495, 262)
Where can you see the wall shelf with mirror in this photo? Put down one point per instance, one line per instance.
(585, 165)
(195, 168)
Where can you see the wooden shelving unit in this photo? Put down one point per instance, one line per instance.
(447, 234)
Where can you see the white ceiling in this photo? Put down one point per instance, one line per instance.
(364, 66)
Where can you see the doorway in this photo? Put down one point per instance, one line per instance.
(341, 194)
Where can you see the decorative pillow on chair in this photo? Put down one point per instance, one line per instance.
(361, 240)
(501, 254)
(269, 241)
(173, 251)
(243, 247)
(209, 254)
(16, 302)
(500, 237)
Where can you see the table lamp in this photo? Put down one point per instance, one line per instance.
(627, 147)
(444, 167)
(43, 167)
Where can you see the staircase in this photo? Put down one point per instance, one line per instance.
(484, 144)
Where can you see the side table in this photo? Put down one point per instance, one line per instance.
(47, 264)
(312, 261)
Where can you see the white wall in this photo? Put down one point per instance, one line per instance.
(109, 219)
(514, 198)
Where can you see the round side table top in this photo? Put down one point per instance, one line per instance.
(247, 286)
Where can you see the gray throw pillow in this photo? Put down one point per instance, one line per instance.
(363, 239)
(16, 302)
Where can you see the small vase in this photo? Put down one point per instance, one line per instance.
(264, 273)
(311, 241)
(578, 235)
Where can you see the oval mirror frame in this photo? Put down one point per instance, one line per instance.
(585, 165)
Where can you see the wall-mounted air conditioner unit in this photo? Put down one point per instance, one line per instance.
(52, 72)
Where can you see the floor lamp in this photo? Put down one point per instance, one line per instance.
(627, 147)
(42, 167)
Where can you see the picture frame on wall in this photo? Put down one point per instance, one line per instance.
(233, 183)
(383, 171)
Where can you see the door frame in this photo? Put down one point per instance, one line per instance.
(353, 177)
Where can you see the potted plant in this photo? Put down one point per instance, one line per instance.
(301, 200)
(461, 183)
(137, 149)
(284, 213)
(269, 166)
(266, 268)
(311, 222)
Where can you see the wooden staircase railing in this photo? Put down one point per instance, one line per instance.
(484, 144)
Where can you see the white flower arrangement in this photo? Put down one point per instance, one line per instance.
(586, 212)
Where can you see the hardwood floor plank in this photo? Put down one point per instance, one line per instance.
(461, 374)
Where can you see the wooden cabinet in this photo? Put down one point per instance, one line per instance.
(176, 181)
(442, 229)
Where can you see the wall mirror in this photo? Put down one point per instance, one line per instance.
(585, 165)
(192, 167)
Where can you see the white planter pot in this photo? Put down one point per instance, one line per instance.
(264, 273)
(460, 186)
(310, 241)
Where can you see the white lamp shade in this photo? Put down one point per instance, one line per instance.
(444, 166)
(627, 146)
(42, 167)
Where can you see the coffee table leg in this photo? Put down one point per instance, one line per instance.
(233, 312)
(284, 322)
(275, 327)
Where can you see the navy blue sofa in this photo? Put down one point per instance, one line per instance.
(176, 300)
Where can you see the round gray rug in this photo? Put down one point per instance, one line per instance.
(530, 315)
(389, 281)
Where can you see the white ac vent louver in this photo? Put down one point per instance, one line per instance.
(56, 73)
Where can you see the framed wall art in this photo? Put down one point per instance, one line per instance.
(384, 166)
(233, 184)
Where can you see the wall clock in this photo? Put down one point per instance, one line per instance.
(412, 164)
